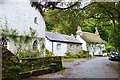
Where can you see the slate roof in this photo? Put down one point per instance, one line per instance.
(57, 37)
(91, 38)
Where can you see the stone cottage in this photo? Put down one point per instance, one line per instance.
(59, 44)
(19, 19)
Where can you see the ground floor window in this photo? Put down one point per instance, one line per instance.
(35, 45)
(3, 42)
(58, 46)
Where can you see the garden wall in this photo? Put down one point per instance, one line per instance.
(14, 68)
(43, 62)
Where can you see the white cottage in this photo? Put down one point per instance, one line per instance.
(90, 42)
(20, 16)
(59, 44)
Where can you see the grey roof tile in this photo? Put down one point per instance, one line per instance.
(61, 38)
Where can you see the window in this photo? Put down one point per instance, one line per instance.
(35, 45)
(35, 20)
(78, 45)
(3, 42)
(71, 45)
(58, 46)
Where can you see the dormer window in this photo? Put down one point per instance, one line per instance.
(3, 42)
(35, 20)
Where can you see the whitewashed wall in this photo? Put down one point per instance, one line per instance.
(60, 52)
(84, 45)
(20, 16)
(96, 48)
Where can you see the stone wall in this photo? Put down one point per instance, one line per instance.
(9, 61)
(12, 66)
(74, 48)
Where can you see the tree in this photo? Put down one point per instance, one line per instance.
(109, 12)
(104, 12)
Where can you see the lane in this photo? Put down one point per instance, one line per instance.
(96, 68)
(99, 67)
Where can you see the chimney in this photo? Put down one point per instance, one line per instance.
(56, 31)
(96, 32)
(79, 31)
(72, 35)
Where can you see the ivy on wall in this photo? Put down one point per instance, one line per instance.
(19, 41)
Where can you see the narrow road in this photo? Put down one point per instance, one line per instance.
(99, 67)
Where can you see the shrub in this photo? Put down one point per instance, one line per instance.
(49, 53)
(110, 48)
(79, 54)
(26, 54)
(70, 54)
(82, 54)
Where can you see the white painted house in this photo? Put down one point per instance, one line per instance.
(59, 44)
(19, 15)
(90, 42)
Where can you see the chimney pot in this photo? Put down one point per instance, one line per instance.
(79, 31)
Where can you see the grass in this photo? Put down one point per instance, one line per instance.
(72, 59)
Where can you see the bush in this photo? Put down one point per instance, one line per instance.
(110, 48)
(104, 51)
(79, 54)
(26, 54)
(70, 54)
(49, 53)
(82, 54)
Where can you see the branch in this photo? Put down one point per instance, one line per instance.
(110, 14)
(87, 6)
(67, 7)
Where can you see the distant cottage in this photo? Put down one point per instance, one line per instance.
(23, 18)
(59, 44)
(91, 42)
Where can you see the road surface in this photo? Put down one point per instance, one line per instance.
(99, 67)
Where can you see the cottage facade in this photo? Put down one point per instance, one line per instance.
(91, 42)
(20, 16)
(59, 44)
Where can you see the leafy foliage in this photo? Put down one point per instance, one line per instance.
(49, 53)
(11, 34)
(103, 15)
(79, 54)
(26, 54)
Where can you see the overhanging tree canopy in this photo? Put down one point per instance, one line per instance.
(104, 12)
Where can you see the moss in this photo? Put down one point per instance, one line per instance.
(12, 66)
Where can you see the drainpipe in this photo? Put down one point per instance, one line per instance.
(52, 46)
